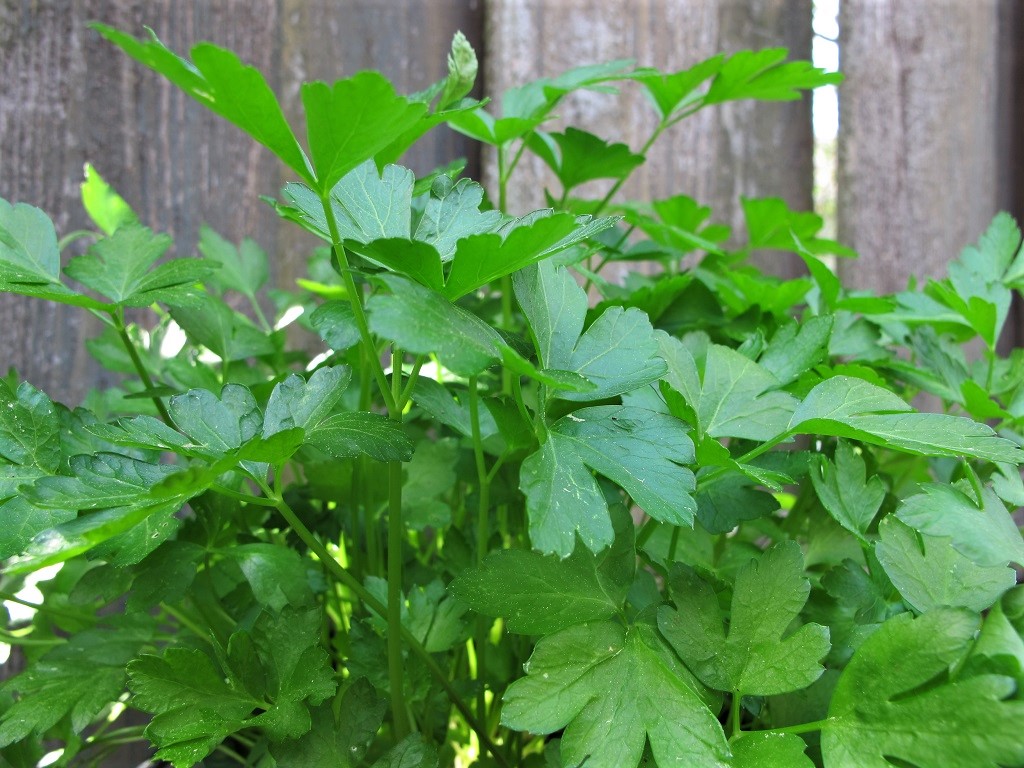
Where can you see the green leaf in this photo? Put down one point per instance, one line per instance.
(843, 406)
(612, 693)
(297, 402)
(481, 258)
(583, 157)
(75, 680)
(640, 450)
(337, 742)
(98, 482)
(28, 246)
(539, 594)
(555, 307)
(536, 594)
(196, 706)
(216, 425)
(430, 476)
(772, 225)
(228, 334)
(424, 322)
(762, 75)
(29, 258)
(276, 574)
(105, 207)
(335, 321)
(410, 752)
(120, 267)
(796, 348)
(356, 433)
(350, 121)
(895, 701)
(987, 534)
(731, 500)
(22, 520)
(244, 269)
(563, 500)
(929, 573)
(218, 80)
(845, 492)
(671, 91)
(736, 397)
(618, 353)
(762, 654)
(29, 428)
(452, 213)
(764, 749)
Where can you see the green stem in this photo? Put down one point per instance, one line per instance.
(348, 580)
(817, 725)
(140, 367)
(8, 597)
(482, 534)
(734, 714)
(355, 299)
(396, 540)
(618, 184)
(184, 620)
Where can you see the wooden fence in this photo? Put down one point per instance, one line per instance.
(931, 140)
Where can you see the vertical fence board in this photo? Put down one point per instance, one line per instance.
(917, 142)
(67, 97)
(756, 150)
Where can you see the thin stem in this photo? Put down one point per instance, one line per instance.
(396, 540)
(618, 184)
(140, 367)
(184, 620)
(482, 534)
(8, 597)
(734, 713)
(347, 579)
(817, 725)
(355, 299)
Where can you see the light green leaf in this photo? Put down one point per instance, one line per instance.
(215, 425)
(21, 520)
(297, 402)
(796, 348)
(762, 654)
(120, 267)
(244, 269)
(612, 693)
(353, 119)
(843, 406)
(764, 76)
(735, 397)
(929, 573)
(894, 702)
(765, 749)
(642, 451)
(988, 536)
(453, 213)
(555, 306)
(670, 91)
(424, 322)
(218, 80)
(481, 258)
(105, 206)
(845, 492)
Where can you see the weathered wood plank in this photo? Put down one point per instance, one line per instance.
(754, 150)
(918, 162)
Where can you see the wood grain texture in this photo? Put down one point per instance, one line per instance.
(720, 154)
(67, 97)
(918, 160)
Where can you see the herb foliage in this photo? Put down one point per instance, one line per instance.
(489, 521)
